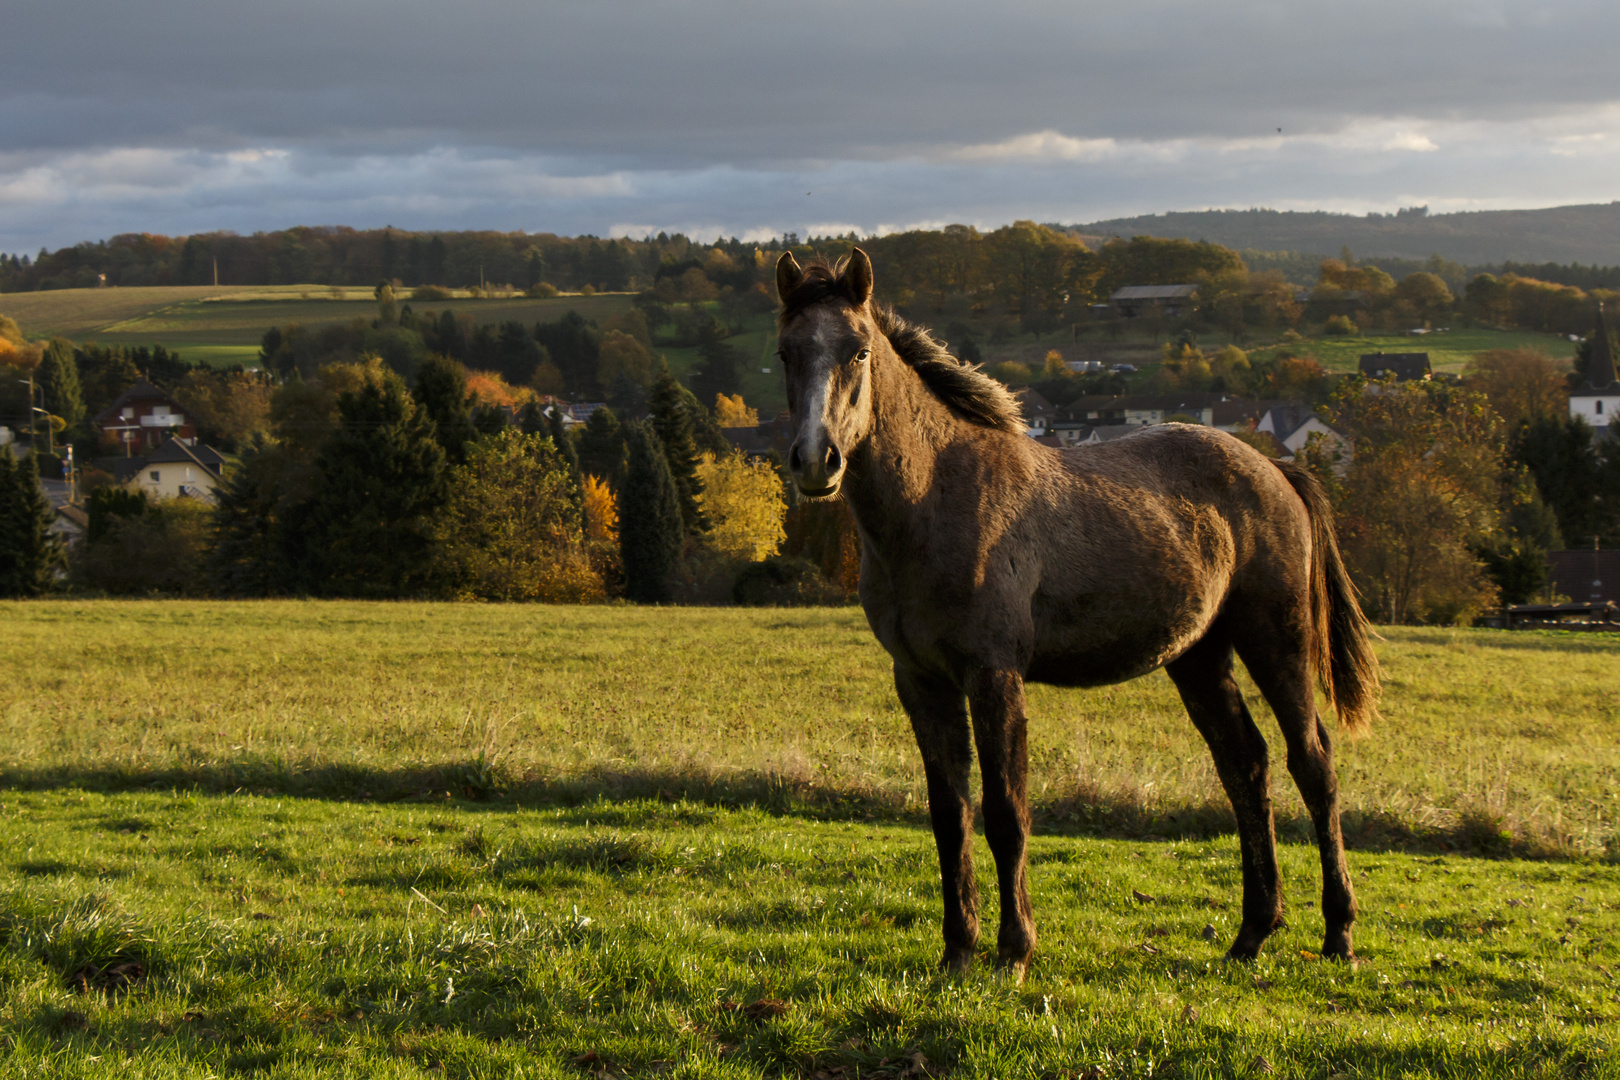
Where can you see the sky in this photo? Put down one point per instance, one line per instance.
(752, 118)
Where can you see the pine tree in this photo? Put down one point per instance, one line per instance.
(29, 554)
(441, 394)
(650, 528)
(601, 447)
(379, 482)
(246, 557)
(672, 420)
(58, 379)
(568, 454)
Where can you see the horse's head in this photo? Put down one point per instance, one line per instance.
(828, 340)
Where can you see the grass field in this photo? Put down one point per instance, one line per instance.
(480, 840)
(1448, 352)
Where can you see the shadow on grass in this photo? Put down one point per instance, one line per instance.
(1117, 814)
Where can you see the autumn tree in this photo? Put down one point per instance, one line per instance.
(510, 529)
(1522, 385)
(1418, 498)
(742, 499)
(731, 411)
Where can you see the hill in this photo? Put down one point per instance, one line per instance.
(1560, 234)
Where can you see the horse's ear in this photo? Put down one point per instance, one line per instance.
(858, 276)
(788, 275)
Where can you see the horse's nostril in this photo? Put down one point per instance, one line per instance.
(833, 460)
(793, 458)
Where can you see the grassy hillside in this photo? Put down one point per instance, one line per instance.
(1450, 351)
(344, 839)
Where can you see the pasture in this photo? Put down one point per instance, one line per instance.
(1449, 352)
(476, 840)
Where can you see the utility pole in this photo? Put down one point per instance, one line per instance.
(216, 271)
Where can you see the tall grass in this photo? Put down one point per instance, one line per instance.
(1489, 741)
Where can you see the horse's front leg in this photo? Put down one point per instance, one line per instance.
(939, 719)
(997, 700)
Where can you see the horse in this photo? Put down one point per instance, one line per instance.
(990, 560)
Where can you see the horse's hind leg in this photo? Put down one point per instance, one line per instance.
(939, 719)
(1203, 675)
(1282, 672)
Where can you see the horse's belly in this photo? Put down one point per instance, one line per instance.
(1098, 648)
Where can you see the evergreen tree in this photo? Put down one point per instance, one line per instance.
(58, 380)
(441, 394)
(567, 452)
(246, 557)
(531, 419)
(379, 482)
(650, 527)
(717, 372)
(671, 417)
(29, 554)
(601, 447)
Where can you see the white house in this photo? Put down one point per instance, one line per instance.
(176, 470)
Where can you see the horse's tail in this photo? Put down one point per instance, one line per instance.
(1341, 645)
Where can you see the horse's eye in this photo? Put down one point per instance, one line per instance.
(863, 356)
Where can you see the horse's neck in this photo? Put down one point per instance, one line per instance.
(893, 470)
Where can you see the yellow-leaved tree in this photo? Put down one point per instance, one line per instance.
(511, 530)
(601, 508)
(743, 501)
(732, 411)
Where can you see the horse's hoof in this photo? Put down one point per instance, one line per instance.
(956, 961)
(1245, 949)
(1337, 947)
(1013, 970)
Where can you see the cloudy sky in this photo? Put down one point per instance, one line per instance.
(756, 117)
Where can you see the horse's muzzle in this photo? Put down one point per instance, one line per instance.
(817, 475)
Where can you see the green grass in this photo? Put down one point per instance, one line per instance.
(300, 937)
(483, 840)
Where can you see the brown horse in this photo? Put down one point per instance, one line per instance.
(989, 559)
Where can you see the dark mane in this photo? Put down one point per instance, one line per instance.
(966, 390)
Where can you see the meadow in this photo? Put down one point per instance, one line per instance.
(1449, 351)
(307, 838)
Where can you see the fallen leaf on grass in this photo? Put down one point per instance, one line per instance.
(1142, 897)
(1149, 949)
(478, 911)
(1263, 984)
(1306, 954)
(1189, 1015)
(1261, 1065)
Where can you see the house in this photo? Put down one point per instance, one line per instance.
(70, 524)
(175, 471)
(759, 441)
(1404, 366)
(1596, 400)
(1134, 301)
(1292, 423)
(1589, 576)
(141, 418)
(1038, 412)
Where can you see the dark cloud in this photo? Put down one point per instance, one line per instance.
(176, 115)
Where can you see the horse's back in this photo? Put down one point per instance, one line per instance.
(1148, 539)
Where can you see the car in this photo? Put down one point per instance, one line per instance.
(1124, 369)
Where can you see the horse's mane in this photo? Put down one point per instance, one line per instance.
(962, 387)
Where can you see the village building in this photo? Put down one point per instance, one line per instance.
(1406, 367)
(1169, 301)
(1596, 400)
(173, 471)
(141, 418)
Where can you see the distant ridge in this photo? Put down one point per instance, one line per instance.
(1561, 234)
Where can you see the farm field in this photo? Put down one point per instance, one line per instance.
(470, 840)
(1449, 352)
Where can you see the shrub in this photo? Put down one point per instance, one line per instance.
(431, 292)
(1340, 326)
(784, 581)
